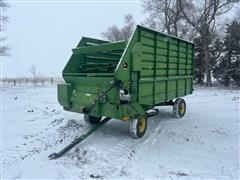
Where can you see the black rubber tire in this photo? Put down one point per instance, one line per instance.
(91, 119)
(179, 108)
(136, 129)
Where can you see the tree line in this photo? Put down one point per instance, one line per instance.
(217, 44)
(4, 49)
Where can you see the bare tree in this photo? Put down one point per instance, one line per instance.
(114, 33)
(34, 72)
(202, 17)
(4, 50)
(165, 15)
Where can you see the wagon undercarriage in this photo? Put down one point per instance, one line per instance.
(137, 127)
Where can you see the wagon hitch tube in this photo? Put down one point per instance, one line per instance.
(79, 139)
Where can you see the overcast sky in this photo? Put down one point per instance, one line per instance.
(43, 33)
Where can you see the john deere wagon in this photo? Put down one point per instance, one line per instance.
(123, 80)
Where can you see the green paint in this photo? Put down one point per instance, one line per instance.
(154, 67)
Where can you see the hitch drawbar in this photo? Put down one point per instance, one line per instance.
(79, 139)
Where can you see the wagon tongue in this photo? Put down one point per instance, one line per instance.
(79, 139)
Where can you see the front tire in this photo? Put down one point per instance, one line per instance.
(137, 127)
(92, 120)
(179, 108)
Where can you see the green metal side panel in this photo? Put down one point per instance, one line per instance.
(166, 67)
(161, 71)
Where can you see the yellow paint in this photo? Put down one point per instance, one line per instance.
(182, 108)
(125, 118)
(142, 125)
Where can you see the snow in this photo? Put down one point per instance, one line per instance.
(204, 144)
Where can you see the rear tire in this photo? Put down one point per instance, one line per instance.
(91, 119)
(179, 108)
(137, 127)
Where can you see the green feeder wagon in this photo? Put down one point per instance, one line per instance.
(123, 80)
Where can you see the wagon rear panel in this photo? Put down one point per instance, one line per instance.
(166, 67)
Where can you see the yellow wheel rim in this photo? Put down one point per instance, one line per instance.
(182, 108)
(142, 125)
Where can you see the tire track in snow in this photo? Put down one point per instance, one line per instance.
(155, 128)
(143, 147)
(118, 158)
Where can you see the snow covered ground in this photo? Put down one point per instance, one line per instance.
(202, 145)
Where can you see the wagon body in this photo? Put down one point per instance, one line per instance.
(151, 69)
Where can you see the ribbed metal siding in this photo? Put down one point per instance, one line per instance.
(167, 64)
